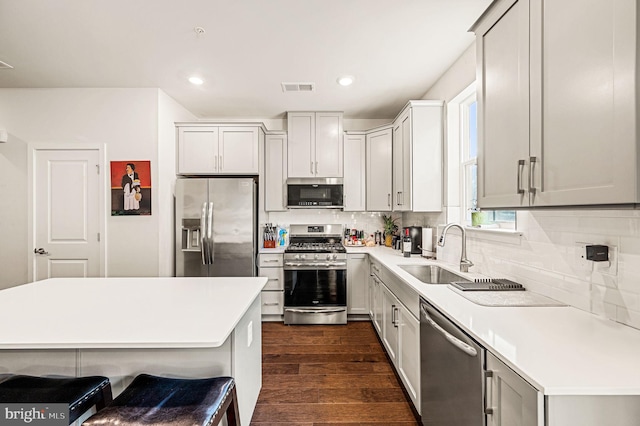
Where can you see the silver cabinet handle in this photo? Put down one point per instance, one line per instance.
(311, 170)
(393, 315)
(271, 304)
(389, 200)
(488, 375)
(215, 162)
(270, 261)
(41, 251)
(519, 173)
(532, 188)
(469, 350)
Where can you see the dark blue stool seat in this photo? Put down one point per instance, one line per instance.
(81, 393)
(152, 400)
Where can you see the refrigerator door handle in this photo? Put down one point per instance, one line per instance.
(203, 234)
(210, 234)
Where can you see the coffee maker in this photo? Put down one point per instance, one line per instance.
(416, 238)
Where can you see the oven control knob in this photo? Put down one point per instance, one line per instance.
(316, 257)
(304, 256)
(335, 256)
(296, 257)
(328, 257)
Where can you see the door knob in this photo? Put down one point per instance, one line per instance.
(41, 251)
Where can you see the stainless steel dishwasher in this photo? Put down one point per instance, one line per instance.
(452, 372)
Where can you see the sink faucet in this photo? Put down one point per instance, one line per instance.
(464, 262)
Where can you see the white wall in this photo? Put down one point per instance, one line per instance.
(126, 122)
(546, 258)
(169, 111)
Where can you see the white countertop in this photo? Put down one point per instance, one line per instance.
(559, 350)
(276, 250)
(124, 312)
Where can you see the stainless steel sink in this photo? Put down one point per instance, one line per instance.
(432, 274)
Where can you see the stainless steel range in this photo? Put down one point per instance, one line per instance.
(315, 276)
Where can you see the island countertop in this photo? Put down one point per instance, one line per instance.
(63, 313)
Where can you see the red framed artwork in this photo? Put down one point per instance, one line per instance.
(130, 188)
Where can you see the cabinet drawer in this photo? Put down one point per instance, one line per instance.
(270, 260)
(273, 302)
(275, 278)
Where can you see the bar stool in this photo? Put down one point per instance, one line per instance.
(81, 393)
(159, 400)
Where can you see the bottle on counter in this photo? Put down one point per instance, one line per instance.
(406, 243)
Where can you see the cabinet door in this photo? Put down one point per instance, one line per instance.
(272, 302)
(275, 172)
(375, 302)
(502, 43)
(238, 150)
(197, 150)
(582, 121)
(513, 401)
(390, 307)
(328, 144)
(409, 354)
(275, 278)
(301, 144)
(354, 173)
(379, 150)
(357, 284)
(398, 164)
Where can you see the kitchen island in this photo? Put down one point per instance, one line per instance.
(120, 327)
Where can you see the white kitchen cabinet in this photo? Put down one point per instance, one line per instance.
(417, 157)
(375, 296)
(379, 169)
(511, 400)
(315, 144)
(390, 335)
(409, 353)
(275, 154)
(271, 265)
(219, 149)
(557, 103)
(354, 183)
(357, 284)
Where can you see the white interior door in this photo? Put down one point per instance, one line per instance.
(66, 213)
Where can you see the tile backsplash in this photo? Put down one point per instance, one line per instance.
(549, 258)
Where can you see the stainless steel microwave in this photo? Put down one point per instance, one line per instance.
(314, 193)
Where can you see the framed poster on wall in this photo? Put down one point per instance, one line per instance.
(130, 188)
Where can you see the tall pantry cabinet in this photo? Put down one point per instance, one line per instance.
(557, 90)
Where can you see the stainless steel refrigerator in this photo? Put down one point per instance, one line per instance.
(216, 227)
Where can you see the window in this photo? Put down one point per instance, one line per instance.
(463, 126)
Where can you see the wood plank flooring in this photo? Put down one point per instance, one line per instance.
(328, 375)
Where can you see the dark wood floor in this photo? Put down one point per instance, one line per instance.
(320, 375)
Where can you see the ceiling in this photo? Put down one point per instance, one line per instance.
(395, 49)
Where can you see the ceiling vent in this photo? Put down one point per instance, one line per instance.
(298, 87)
(4, 65)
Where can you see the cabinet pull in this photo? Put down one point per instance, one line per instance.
(488, 375)
(532, 188)
(389, 200)
(393, 315)
(270, 304)
(519, 173)
(311, 170)
(270, 261)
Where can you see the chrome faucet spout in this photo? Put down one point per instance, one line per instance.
(465, 263)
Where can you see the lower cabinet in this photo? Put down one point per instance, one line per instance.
(357, 284)
(399, 332)
(511, 400)
(270, 265)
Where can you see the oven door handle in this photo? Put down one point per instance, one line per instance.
(317, 264)
(315, 311)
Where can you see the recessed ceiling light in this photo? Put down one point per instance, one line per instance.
(196, 80)
(345, 80)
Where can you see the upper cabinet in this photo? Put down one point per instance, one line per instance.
(315, 144)
(354, 183)
(275, 171)
(218, 149)
(379, 169)
(417, 157)
(557, 103)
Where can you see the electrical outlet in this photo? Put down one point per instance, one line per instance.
(581, 256)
